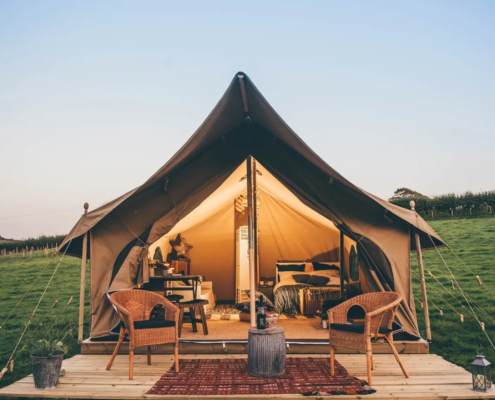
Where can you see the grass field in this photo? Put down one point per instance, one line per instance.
(472, 239)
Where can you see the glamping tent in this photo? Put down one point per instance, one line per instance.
(306, 209)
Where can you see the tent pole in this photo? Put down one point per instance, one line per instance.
(82, 294)
(342, 265)
(252, 280)
(423, 285)
(422, 277)
(83, 286)
(255, 226)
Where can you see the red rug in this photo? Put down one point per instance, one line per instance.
(309, 376)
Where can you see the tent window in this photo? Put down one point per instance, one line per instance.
(353, 264)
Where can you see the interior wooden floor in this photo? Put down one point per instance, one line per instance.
(431, 377)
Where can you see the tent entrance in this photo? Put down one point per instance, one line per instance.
(286, 230)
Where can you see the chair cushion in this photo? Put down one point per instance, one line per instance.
(355, 328)
(153, 323)
(192, 303)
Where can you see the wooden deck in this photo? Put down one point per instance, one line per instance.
(431, 378)
(304, 336)
(239, 346)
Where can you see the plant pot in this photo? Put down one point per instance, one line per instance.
(46, 371)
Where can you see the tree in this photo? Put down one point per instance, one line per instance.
(406, 193)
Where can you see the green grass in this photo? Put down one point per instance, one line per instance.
(16, 275)
(474, 242)
(473, 239)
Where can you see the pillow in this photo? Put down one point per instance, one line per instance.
(318, 280)
(290, 267)
(286, 275)
(325, 267)
(266, 300)
(308, 267)
(328, 273)
(301, 278)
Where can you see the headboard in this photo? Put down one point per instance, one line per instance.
(308, 265)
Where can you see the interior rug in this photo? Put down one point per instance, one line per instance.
(308, 376)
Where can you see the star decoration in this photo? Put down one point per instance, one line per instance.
(183, 249)
(173, 254)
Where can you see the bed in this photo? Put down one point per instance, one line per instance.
(295, 293)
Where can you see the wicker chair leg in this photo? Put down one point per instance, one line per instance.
(369, 360)
(396, 354)
(332, 361)
(117, 348)
(131, 362)
(176, 354)
(148, 355)
(372, 363)
(203, 319)
(192, 312)
(181, 319)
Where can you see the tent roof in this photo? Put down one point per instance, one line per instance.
(242, 103)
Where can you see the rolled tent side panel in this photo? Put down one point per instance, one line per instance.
(155, 207)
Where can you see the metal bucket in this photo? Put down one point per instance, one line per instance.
(46, 371)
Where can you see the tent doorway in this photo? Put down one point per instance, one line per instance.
(287, 233)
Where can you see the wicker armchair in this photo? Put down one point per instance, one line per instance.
(134, 308)
(380, 309)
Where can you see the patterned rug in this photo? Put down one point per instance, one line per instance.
(307, 376)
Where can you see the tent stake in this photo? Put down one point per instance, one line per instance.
(252, 280)
(422, 276)
(83, 280)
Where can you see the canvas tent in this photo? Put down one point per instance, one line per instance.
(243, 124)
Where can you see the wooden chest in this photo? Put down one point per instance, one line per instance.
(311, 299)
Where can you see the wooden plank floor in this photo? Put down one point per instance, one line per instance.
(431, 378)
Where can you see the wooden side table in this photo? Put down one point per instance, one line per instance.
(266, 352)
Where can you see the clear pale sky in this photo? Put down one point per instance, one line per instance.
(389, 93)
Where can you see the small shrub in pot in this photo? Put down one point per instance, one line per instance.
(46, 357)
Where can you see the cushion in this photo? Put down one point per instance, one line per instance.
(324, 267)
(266, 300)
(355, 328)
(301, 278)
(153, 323)
(317, 280)
(286, 275)
(290, 267)
(246, 308)
(193, 303)
(328, 273)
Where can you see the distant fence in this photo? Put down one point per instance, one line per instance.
(41, 246)
(452, 205)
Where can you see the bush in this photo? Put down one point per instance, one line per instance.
(40, 241)
(450, 204)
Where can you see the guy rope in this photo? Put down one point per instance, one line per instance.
(5, 369)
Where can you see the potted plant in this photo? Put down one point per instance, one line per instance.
(47, 358)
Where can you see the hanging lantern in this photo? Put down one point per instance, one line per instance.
(480, 369)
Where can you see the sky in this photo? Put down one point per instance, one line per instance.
(96, 96)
